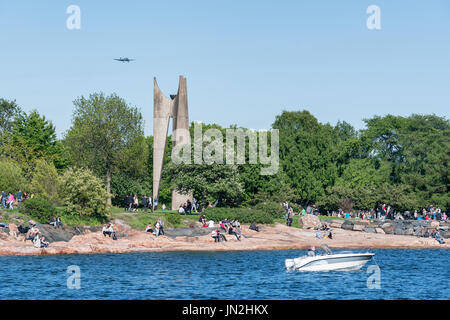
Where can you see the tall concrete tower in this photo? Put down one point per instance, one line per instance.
(164, 108)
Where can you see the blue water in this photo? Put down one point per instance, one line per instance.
(404, 274)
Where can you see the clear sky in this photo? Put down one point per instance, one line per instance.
(245, 61)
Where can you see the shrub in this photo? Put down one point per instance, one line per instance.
(83, 193)
(174, 219)
(39, 209)
(244, 215)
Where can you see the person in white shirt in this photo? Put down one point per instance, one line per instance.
(156, 231)
(108, 230)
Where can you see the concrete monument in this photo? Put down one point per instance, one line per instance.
(164, 108)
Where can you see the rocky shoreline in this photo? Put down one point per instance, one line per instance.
(416, 228)
(346, 234)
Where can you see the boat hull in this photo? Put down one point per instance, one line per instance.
(344, 261)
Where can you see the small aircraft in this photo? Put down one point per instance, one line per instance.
(124, 59)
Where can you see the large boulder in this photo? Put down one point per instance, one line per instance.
(309, 221)
(347, 225)
(358, 227)
(421, 223)
(408, 231)
(53, 234)
(445, 233)
(336, 225)
(369, 229)
(388, 228)
(188, 232)
(419, 231)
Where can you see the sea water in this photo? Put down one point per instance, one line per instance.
(421, 274)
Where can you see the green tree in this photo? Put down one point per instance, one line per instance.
(32, 138)
(364, 173)
(306, 153)
(46, 181)
(11, 176)
(210, 183)
(8, 112)
(418, 150)
(106, 136)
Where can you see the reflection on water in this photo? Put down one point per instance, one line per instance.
(405, 274)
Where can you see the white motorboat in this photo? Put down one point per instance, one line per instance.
(329, 261)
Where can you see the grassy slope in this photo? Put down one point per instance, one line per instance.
(137, 220)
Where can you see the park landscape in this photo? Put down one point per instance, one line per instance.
(311, 160)
(104, 155)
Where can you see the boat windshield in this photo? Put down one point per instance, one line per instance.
(325, 248)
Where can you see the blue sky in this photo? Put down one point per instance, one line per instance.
(245, 61)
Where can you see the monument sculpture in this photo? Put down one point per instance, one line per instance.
(164, 108)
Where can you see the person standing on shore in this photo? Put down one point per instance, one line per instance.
(161, 226)
(290, 213)
(150, 203)
(3, 199)
(19, 198)
(145, 204)
(11, 201)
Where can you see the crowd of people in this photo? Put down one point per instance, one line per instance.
(33, 234)
(131, 203)
(189, 207)
(9, 201)
(231, 227)
(385, 211)
(381, 212)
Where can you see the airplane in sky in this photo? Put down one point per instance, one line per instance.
(124, 59)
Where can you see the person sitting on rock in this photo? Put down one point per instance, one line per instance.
(149, 228)
(254, 227)
(23, 229)
(223, 227)
(156, 231)
(319, 235)
(216, 235)
(438, 238)
(231, 231)
(44, 244)
(36, 241)
(108, 230)
(39, 241)
(59, 223)
(53, 222)
(31, 233)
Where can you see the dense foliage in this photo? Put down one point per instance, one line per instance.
(11, 176)
(46, 182)
(39, 209)
(244, 215)
(83, 193)
(107, 136)
(401, 161)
